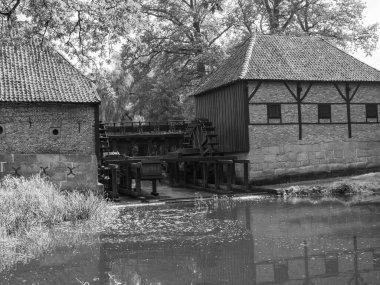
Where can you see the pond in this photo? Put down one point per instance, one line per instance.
(263, 241)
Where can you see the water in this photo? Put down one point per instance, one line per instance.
(258, 242)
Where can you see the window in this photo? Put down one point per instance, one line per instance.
(371, 111)
(274, 111)
(324, 112)
(55, 132)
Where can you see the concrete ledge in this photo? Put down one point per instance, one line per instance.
(313, 176)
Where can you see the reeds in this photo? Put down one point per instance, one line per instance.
(35, 202)
(36, 216)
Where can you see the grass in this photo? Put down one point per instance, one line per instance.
(339, 188)
(31, 211)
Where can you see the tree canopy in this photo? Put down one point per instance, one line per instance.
(82, 29)
(182, 41)
(168, 47)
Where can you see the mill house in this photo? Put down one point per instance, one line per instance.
(294, 106)
(48, 116)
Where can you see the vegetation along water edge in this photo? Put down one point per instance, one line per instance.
(36, 216)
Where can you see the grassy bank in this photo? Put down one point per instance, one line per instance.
(34, 213)
(363, 185)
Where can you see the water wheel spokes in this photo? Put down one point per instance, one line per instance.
(201, 135)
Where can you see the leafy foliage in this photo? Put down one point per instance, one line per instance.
(82, 29)
(182, 41)
(168, 47)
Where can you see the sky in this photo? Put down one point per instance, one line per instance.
(371, 16)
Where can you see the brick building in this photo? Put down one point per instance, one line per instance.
(48, 116)
(294, 106)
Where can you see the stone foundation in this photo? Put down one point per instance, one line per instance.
(65, 170)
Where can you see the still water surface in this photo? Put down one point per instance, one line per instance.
(270, 241)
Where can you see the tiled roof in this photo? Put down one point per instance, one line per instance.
(29, 73)
(273, 57)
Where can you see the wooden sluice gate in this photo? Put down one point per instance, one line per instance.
(119, 174)
(195, 161)
(214, 173)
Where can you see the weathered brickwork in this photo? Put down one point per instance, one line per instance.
(53, 139)
(275, 150)
(27, 128)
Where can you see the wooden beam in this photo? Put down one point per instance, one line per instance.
(307, 91)
(348, 110)
(355, 91)
(254, 91)
(340, 92)
(299, 102)
(290, 90)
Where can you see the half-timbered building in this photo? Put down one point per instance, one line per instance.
(294, 106)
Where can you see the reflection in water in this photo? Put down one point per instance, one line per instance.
(289, 244)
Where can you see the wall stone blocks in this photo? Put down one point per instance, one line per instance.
(49, 139)
(28, 128)
(324, 147)
(57, 167)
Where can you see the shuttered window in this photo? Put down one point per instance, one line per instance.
(371, 111)
(324, 112)
(274, 111)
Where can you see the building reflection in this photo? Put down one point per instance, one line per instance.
(241, 262)
(262, 258)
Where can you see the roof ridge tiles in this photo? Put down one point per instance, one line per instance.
(247, 58)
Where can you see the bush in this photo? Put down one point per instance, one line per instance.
(35, 202)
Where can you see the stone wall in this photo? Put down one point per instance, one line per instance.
(57, 140)
(275, 149)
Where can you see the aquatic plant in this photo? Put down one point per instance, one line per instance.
(213, 203)
(31, 211)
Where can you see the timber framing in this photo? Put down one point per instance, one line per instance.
(254, 91)
(348, 96)
(299, 97)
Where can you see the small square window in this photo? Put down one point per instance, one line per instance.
(324, 112)
(371, 111)
(274, 111)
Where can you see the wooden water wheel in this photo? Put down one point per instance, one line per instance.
(200, 135)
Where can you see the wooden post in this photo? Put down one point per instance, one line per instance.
(128, 178)
(113, 168)
(233, 173)
(216, 177)
(138, 179)
(154, 187)
(245, 181)
(184, 173)
(204, 175)
(195, 174)
(176, 173)
(228, 164)
(229, 176)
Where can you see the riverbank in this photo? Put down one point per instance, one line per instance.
(365, 184)
(35, 216)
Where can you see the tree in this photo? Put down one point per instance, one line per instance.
(340, 21)
(84, 30)
(179, 44)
